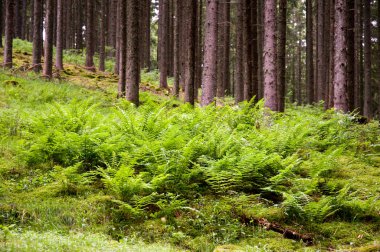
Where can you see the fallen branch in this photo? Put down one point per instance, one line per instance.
(286, 232)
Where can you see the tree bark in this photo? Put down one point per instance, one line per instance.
(247, 50)
(123, 47)
(281, 54)
(9, 7)
(270, 55)
(239, 84)
(133, 67)
(367, 108)
(210, 50)
(48, 45)
(189, 46)
(163, 37)
(255, 51)
(309, 51)
(90, 35)
(177, 9)
(60, 35)
(340, 56)
(321, 67)
(1, 23)
(102, 38)
(37, 35)
(351, 53)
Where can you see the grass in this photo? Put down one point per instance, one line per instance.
(82, 168)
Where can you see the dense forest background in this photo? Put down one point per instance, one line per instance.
(296, 51)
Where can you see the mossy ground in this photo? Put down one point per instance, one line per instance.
(83, 171)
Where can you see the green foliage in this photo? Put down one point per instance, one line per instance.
(171, 164)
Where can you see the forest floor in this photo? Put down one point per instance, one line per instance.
(83, 171)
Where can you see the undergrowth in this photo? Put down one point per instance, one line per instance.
(179, 174)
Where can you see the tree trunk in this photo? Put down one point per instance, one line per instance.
(48, 45)
(163, 36)
(210, 50)
(123, 47)
(9, 7)
(60, 35)
(270, 57)
(37, 35)
(340, 56)
(358, 55)
(90, 35)
(255, 52)
(247, 50)
(102, 44)
(239, 84)
(189, 46)
(378, 66)
(321, 68)
(133, 68)
(309, 51)
(1, 23)
(177, 9)
(367, 108)
(351, 53)
(281, 54)
(330, 101)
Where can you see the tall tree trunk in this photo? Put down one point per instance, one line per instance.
(102, 44)
(281, 54)
(255, 52)
(309, 51)
(24, 19)
(1, 23)
(239, 84)
(260, 46)
(367, 108)
(210, 49)
(378, 66)
(270, 55)
(330, 100)
(48, 45)
(37, 35)
(189, 64)
(9, 7)
(163, 36)
(247, 50)
(358, 56)
(123, 46)
(351, 53)
(60, 35)
(321, 67)
(90, 35)
(340, 56)
(177, 9)
(327, 48)
(133, 67)
(198, 50)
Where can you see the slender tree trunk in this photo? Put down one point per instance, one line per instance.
(309, 51)
(270, 55)
(123, 46)
(281, 54)
(340, 56)
(239, 84)
(60, 35)
(177, 9)
(247, 50)
(351, 54)
(328, 39)
(24, 19)
(210, 47)
(260, 45)
(102, 44)
(367, 109)
(198, 50)
(37, 35)
(9, 7)
(48, 45)
(1, 23)
(133, 67)
(378, 62)
(358, 55)
(163, 42)
(90, 35)
(255, 52)
(330, 100)
(321, 68)
(189, 64)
